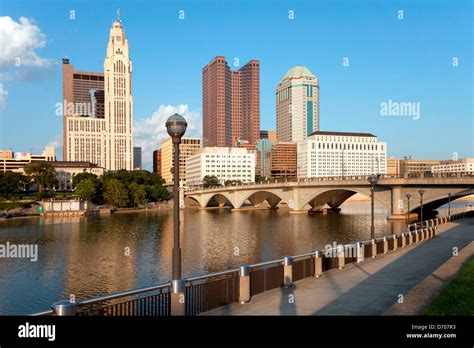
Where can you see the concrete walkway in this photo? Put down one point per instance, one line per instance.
(368, 288)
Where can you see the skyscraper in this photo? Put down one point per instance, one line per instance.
(137, 158)
(231, 103)
(297, 105)
(98, 109)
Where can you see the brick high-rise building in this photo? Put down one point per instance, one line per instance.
(231, 103)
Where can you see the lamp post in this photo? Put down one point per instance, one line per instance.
(176, 127)
(408, 196)
(449, 204)
(372, 180)
(421, 204)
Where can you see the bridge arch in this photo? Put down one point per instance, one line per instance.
(334, 198)
(259, 197)
(436, 201)
(220, 199)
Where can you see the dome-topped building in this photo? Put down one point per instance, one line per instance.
(297, 105)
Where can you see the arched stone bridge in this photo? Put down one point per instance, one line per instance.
(303, 196)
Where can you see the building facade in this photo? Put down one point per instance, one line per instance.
(416, 166)
(270, 135)
(16, 162)
(264, 147)
(137, 158)
(157, 162)
(65, 172)
(297, 105)
(231, 103)
(340, 154)
(464, 165)
(393, 166)
(283, 160)
(225, 163)
(188, 147)
(98, 109)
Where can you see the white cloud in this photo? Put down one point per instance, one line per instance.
(3, 96)
(150, 132)
(19, 43)
(57, 142)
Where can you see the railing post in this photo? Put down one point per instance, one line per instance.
(374, 248)
(360, 252)
(244, 284)
(64, 308)
(403, 240)
(434, 232)
(341, 260)
(385, 245)
(318, 263)
(178, 300)
(395, 242)
(287, 271)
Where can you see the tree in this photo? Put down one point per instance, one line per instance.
(115, 193)
(82, 176)
(11, 183)
(137, 194)
(42, 173)
(88, 189)
(210, 180)
(232, 182)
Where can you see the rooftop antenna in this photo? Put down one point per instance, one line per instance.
(118, 14)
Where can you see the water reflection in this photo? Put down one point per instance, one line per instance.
(86, 257)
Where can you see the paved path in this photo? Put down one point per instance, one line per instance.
(421, 296)
(368, 288)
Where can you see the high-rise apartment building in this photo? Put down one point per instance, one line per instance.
(157, 162)
(188, 147)
(98, 109)
(297, 105)
(231, 103)
(340, 154)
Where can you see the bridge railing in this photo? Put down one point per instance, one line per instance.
(279, 181)
(206, 292)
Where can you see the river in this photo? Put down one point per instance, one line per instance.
(91, 256)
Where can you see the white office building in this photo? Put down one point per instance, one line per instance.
(341, 154)
(464, 165)
(297, 105)
(226, 163)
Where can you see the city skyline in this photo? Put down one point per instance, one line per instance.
(382, 70)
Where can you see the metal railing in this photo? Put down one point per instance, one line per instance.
(206, 292)
(277, 182)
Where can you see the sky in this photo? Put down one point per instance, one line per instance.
(366, 55)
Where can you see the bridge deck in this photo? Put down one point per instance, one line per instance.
(369, 288)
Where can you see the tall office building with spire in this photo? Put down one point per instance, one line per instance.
(297, 105)
(98, 108)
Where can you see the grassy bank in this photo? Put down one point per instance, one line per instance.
(10, 205)
(458, 297)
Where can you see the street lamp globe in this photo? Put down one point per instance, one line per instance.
(373, 179)
(176, 126)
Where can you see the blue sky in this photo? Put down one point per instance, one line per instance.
(403, 60)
